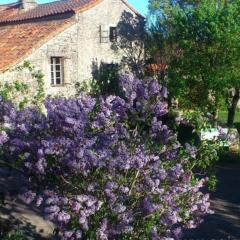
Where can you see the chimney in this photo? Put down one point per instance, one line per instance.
(27, 4)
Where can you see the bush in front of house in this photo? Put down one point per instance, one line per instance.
(106, 168)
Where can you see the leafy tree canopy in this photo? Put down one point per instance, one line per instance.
(206, 42)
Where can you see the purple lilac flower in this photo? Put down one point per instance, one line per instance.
(192, 151)
(154, 234)
(68, 234)
(108, 157)
(3, 137)
(78, 234)
(164, 92)
(177, 233)
(160, 109)
(154, 87)
(102, 232)
(39, 201)
(28, 197)
(63, 217)
(52, 209)
(120, 208)
(76, 206)
(41, 165)
(147, 206)
(176, 171)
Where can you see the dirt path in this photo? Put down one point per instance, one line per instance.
(225, 223)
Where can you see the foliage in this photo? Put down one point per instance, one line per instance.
(8, 91)
(205, 38)
(86, 86)
(107, 168)
(19, 92)
(105, 80)
(190, 126)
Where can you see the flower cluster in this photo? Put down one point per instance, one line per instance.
(107, 168)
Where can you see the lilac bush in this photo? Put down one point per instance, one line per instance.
(107, 168)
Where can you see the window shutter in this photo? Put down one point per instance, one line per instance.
(100, 33)
(66, 71)
(104, 35)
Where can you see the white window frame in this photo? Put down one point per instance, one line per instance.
(55, 80)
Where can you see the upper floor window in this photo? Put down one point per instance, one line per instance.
(113, 34)
(108, 35)
(57, 68)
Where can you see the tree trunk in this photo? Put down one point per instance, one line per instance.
(215, 117)
(232, 108)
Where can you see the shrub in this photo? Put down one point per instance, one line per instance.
(107, 168)
(19, 92)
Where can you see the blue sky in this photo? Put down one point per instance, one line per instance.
(140, 5)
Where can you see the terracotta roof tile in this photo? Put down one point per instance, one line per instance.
(11, 13)
(44, 10)
(18, 40)
(7, 11)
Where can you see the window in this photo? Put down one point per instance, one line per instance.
(57, 70)
(109, 35)
(113, 34)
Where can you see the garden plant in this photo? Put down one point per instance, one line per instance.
(108, 168)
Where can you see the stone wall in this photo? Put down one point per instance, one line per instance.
(80, 47)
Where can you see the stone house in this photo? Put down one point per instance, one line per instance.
(64, 39)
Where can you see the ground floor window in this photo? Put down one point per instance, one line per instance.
(57, 67)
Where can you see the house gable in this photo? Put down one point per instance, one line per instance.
(23, 32)
(74, 37)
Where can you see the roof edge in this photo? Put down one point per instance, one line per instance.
(9, 4)
(83, 8)
(87, 6)
(132, 8)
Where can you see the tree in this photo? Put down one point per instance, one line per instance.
(207, 37)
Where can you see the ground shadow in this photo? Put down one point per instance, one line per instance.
(16, 215)
(225, 223)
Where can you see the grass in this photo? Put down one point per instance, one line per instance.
(222, 117)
